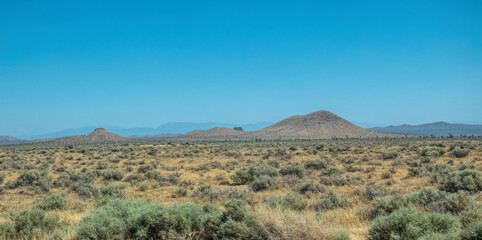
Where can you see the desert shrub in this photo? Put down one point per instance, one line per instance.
(122, 219)
(145, 168)
(471, 215)
(112, 174)
(374, 190)
(180, 192)
(316, 164)
(246, 175)
(115, 190)
(385, 205)
(341, 235)
(460, 153)
(473, 231)
(155, 175)
(388, 155)
(427, 196)
(467, 180)
(309, 187)
(207, 192)
(242, 176)
(34, 178)
(54, 201)
(291, 200)
(431, 152)
(86, 190)
(262, 183)
(440, 172)
(456, 203)
(62, 181)
(295, 170)
(329, 201)
(79, 207)
(143, 187)
(30, 224)
(332, 171)
(415, 172)
(408, 223)
(2, 178)
(134, 178)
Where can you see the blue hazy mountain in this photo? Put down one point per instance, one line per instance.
(436, 129)
(167, 128)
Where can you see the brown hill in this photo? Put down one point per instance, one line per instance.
(5, 140)
(98, 136)
(316, 125)
(217, 133)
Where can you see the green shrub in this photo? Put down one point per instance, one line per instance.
(427, 196)
(374, 190)
(309, 187)
(432, 152)
(328, 202)
(143, 187)
(296, 170)
(291, 200)
(458, 202)
(79, 207)
(123, 219)
(342, 235)
(2, 178)
(54, 201)
(34, 178)
(262, 183)
(471, 215)
(246, 175)
(388, 155)
(441, 172)
(207, 193)
(316, 164)
(467, 180)
(30, 224)
(460, 153)
(112, 174)
(116, 190)
(386, 205)
(408, 223)
(472, 232)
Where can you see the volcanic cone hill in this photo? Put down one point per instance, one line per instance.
(98, 136)
(316, 125)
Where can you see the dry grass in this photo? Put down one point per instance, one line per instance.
(203, 163)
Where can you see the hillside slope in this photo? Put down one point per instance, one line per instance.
(5, 140)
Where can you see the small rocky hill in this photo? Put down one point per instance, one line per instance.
(98, 136)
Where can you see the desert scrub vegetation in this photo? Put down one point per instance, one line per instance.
(304, 189)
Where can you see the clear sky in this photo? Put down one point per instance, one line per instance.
(67, 64)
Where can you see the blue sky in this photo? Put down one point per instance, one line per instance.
(68, 64)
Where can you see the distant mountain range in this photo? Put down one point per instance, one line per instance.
(10, 140)
(170, 128)
(436, 129)
(316, 125)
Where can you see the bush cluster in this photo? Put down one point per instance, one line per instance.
(123, 219)
(408, 223)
